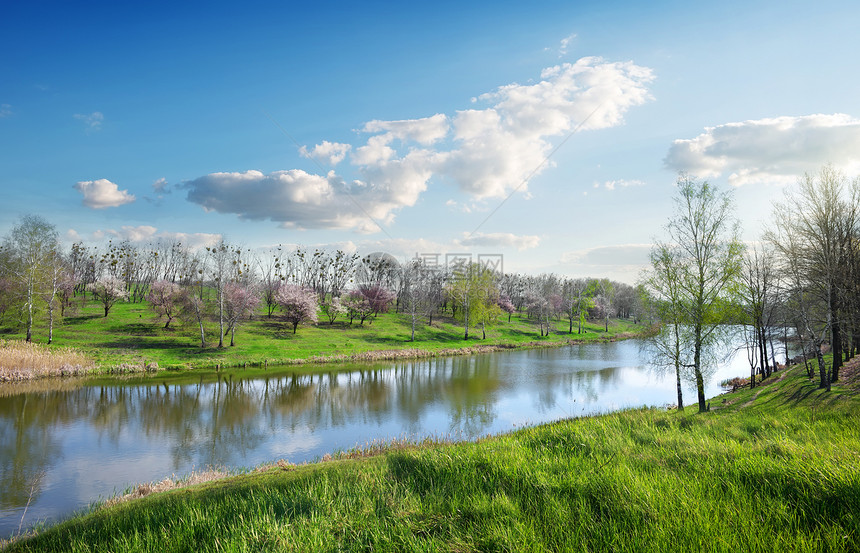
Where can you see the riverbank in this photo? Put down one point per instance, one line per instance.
(774, 468)
(132, 340)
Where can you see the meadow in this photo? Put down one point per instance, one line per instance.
(131, 339)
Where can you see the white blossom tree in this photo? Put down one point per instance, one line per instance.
(298, 304)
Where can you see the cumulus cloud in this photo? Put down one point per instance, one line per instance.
(770, 151)
(486, 153)
(297, 199)
(329, 153)
(102, 193)
(92, 121)
(500, 240)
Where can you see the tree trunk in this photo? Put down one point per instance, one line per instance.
(697, 360)
(836, 343)
(678, 386)
(822, 369)
(107, 309)
(296, 325)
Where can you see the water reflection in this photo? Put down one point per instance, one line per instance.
(92, 440)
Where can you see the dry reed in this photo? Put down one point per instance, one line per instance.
(26, 361)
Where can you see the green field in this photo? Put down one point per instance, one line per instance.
(133, 336)
(773, 469)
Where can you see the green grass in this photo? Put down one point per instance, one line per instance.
(772, 469)
(133, 336)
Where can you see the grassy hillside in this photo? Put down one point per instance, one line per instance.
(133, 336)
(773, 469)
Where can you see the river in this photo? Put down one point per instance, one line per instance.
(67, 443)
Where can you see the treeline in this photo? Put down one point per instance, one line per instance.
(228, 285)
(800, 282)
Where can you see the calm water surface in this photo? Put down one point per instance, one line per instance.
(90, 441)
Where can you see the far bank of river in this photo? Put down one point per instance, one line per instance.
(89, 440)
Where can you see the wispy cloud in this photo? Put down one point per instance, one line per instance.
(5, 110)
(92, 121)
(619, 183)
(500, 240)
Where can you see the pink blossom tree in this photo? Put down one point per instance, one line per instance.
(506, 305)
(240, 302)
(379, 297)
(165, 299)
(357, 306)
(299, 305)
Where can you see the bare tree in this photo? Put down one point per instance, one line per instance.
(816, 229)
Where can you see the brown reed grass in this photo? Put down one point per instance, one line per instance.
(27, 361)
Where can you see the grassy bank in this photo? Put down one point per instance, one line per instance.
(773, 469)
(132, 339)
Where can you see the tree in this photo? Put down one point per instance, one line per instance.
(57, 280)
(108, 290)
(31, 246)
(298, 305)
(706, 259)
(379, 297)
(166, 299)
(357, 306)
(194, 309)
(472, 288)
(333, 308)
(663, 280)
(816, 232)
(240, 302)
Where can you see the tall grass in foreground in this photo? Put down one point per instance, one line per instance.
(781, 474)
(23, 361)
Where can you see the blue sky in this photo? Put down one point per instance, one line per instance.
(551, 133)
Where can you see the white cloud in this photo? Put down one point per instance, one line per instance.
(564, 43)
(102, 193)
(500, 240)
(612, 184)
(148, 233)
(424, 131)
(92, 121)
(770, 151)
(161, 186)
(5, 110)
(329, 153)
(487, 153)
(72, 235)
(500, 148)
(297, 199)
